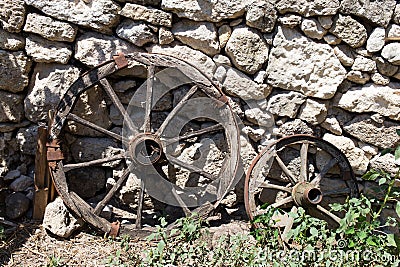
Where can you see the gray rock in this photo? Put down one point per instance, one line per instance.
(92, 107)
(332, 39)
(14, 71)
(94, 48)
(11, 41)
(12, 15)
(137, 33)
(286, 104)
(313, 29)
(49, 28)
(290, 20)
(349, 30)
(308, 8)
(380, 79)
(385, 163)
(357, 76)
(238, 84)
(59, 221)
(86, 182)
(325, 21)
(296, 126)
(27, 139)
(382, 135)
(10, 127)
(376, 40)
(21, 183)
(17, 204)
(356, 156)
(204, 10)
(199, 59)
(49, 84)
(396, 14)
(364, 64)
(313, 112)
(345, 54)
(198, 35)
(89, 148)
(224, 33)
(379, 11)
(298, 64)
(148, 14)
(261, 15)
(12, 175)
(380, 99)
(247, 49)
(165, 36)
(393, 32)
(260, 117)
(332, 125)
(385, 68)
(42, 50)
(99, 15)
(11, 107)
(391, 52)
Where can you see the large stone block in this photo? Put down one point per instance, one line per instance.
(297, 63)
(48, 85)
(42, 50)
(137, 33)
(100, 15)
(14, 71)
(11, 107)
(148, 14)
(11, 41)
(350, 31)
(308, 7)
(12, 15)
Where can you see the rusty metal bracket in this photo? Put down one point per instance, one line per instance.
(120, 60)
(54, 153)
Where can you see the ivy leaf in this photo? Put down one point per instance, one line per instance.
(398, 132)
(371, 242)
(382, 181)
(398, 208)
(160, 246)
(391, 241)
(397, 153)
(314, 231)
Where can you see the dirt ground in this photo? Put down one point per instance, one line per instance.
(30, 245)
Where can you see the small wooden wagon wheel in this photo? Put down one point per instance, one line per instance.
(299, 171)
(151, 142)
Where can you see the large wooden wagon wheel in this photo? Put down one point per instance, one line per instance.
(150, 144)
(299, 171)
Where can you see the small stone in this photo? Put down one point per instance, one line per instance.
(312, 29)
(259, 117)
(235, 22)
(313, 112)
(349, 30)
(27, 138)
(11, 107)
(308, 8)
(260, 76)
(376, 40)
(220, 74)
(222, 60)
(42, 50)
(396, 14)
(364, 64)
(12, 175)
(12, 15)
(290, 20)
(224, 33)
(11, 41)
(198, 35)
(21, 183)
(137, 33)
(261, 15)
(296, 126)
(325, 21)
(14, 71)
(59, 221)
(391, 52)
(148, 14)
(165, 36)
(384, 162)
(17, 204)
(286, 104)
(345, 54)
(332, 39)
(100, 15)
(254, 134)
(238, 84)
(332, 125)
(358, 77)
(380, 79)
(385, 68)
(369, 150)
(49, 28)
(10, 127)
(247, 49)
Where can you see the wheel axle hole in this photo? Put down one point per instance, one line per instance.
(147, 151)
(314, 195)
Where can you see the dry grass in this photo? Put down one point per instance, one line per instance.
(32, 246)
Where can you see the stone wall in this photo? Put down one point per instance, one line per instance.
(327, 68)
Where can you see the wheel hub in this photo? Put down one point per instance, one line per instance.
(306, 194)
(145, 149)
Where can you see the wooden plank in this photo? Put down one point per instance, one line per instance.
(41, 187)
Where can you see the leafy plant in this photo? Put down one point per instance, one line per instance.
(55, 261)
(2, 234)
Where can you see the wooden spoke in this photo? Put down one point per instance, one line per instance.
(176, 109)
(77, 119)
(327, 212)
(209, 129)
(303, 165)
(274, 186)
(338, 192)
(149, 99)
(324, 171)
(114, 98)
(100, 206)
(285, 169)
(138, 223)
(191, 168)
(69, 167)
(181, 203)
(282, 202)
